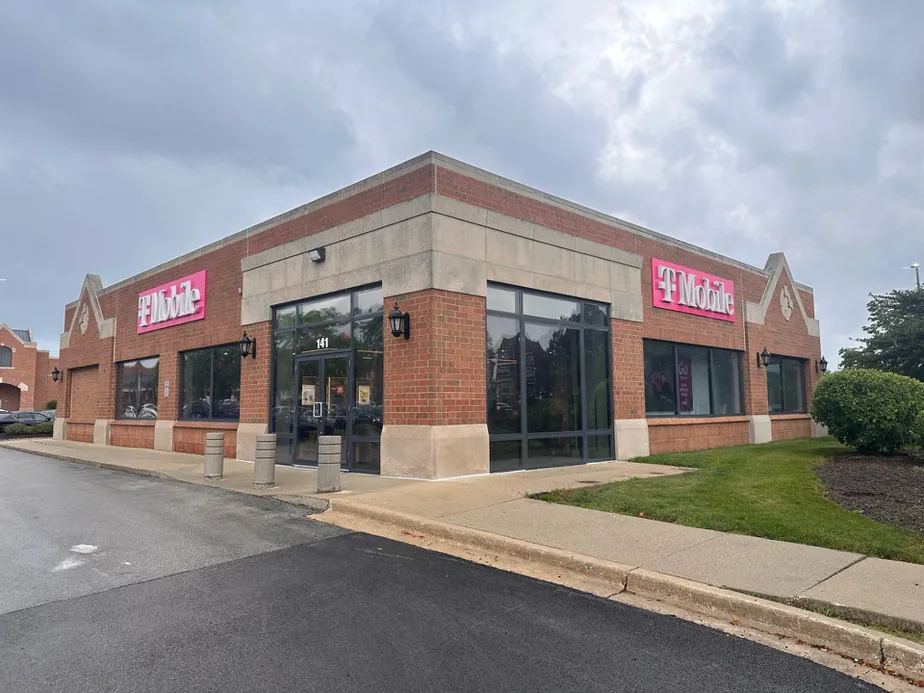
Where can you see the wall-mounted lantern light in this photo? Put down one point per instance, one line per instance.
(400, 322)
(56, 374)
(248, 346)
(763, 358)
(823, 364)
(317, 254)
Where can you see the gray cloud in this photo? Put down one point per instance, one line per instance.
(132, 132)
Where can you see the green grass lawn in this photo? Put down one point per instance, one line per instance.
(761, 490)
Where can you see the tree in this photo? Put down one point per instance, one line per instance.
(895, 335)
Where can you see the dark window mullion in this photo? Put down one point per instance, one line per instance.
(676, 381)
(582, 380)
(211, 384)
(709, 370)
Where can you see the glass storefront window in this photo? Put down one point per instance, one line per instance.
(136, 389)
(599, 397)
(503, 374)
(543, 306)
(786, 385)
(726, 382)
(549, 392)
(553, 388)
(660, 380)
(210, 383)
(691, 381)
(503, 300)
(324, 309)
(346, 331)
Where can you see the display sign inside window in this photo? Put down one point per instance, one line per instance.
(684, 383)
(173, 303)
(686, 290)
(308, 394)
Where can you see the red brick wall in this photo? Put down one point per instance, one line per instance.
(132, 434)
(792, 426)
(9, 397)
(223, 304)
(45, 388)
(80, 431)
(677, 435)
(189, 436)
(85, 394)
(255, 376)
(22, 369)
(779, 336)
(438, 376)
(628, 370)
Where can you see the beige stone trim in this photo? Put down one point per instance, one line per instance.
(247, 440)
(434, 452)
(756, 313)
(102, 430)
(760, 428)
(93, 286)
(631, 438)
(460, 248)
(163, 435)
(59, 431)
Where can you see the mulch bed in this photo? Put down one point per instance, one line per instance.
(887, 488)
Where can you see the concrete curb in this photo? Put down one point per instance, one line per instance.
(607, 572)
(899, 656)
(90, 463)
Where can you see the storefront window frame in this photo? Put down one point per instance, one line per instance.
(348, 351)
(181, 394)
(775, 359)
(581, 323)
(677, 413)
(119, 404)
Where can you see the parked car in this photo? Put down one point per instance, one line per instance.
(50, 413)
(29, 418)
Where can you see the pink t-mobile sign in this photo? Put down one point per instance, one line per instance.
(674, 287)
(173, 303)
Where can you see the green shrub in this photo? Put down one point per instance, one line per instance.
(42, 428)
(872, 411)
(52, 404)
(18, 429)
(919, 431)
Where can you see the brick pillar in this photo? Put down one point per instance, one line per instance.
(435, 409)
(630, 424)
(167, 405)
(255, 391)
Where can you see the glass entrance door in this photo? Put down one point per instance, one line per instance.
(322, 406)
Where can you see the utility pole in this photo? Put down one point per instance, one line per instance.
(917, 273)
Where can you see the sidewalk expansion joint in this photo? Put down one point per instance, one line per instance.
(836, 572)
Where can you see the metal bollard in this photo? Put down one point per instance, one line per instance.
(264, 465)
(214, 455)
(329, 464)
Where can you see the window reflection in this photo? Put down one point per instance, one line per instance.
(553, 385)
(136, 394)
(503, 375)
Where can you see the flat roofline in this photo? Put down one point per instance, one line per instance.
(441, 160)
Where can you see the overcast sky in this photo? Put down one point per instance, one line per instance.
(132, 131)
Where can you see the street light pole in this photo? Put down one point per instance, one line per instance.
(917, 273)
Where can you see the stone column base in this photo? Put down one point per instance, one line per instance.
(163, 435)
(247, 440)
(60, 429)
(819, 431)
(760, 428)
(435, 452)
(101, 430)
(631, 438)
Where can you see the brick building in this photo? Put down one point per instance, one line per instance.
(25, 372)
(537, 332)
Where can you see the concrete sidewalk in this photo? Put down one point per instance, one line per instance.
(875, 590)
